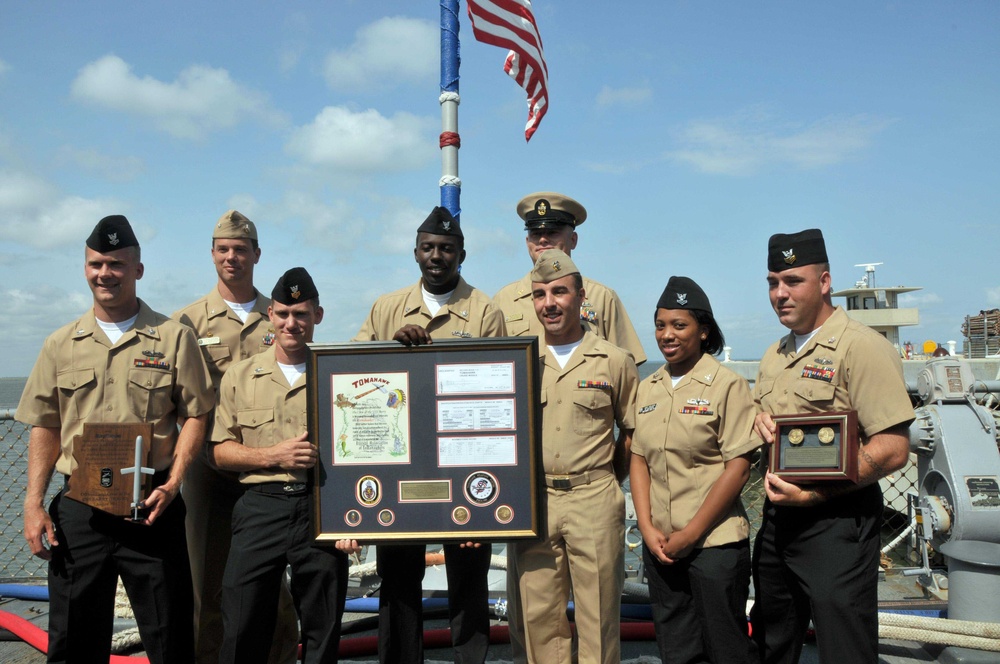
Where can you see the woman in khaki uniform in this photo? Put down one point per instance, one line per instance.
(690, 459)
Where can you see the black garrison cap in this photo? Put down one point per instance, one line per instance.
(683, 293)
(294, 286)
(111, 233)
(440, 222)
(795, 250)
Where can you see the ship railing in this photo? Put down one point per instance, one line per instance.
(17, 563)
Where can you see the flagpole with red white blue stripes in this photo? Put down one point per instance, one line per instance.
(451, 185)
(508, 24)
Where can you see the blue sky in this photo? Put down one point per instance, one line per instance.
(691, 131)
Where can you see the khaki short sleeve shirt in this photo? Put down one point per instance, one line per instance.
(845, 366)
(258, 408)
(602, 313)
(222, 336)
(155, 373)
(687, 434)
(469, 313)
(581, 404)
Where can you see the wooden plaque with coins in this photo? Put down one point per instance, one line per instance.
(815, 447)
(102, 453)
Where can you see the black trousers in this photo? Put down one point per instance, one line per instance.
(819, 562)
(699, 605)
(95, 548)
(400, 614)
(270, 533)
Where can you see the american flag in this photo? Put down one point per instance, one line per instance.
(510, 24)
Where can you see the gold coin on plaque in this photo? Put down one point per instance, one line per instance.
(796, 436)
(826, 435)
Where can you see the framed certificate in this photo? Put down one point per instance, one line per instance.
(426, 443)
(815, 447)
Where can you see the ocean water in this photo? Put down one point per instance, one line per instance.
(10, 392)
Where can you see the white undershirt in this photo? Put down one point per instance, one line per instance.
(292, 372)
(564, 352)
(434, 301)
(115, 331)
(803, 339)
(676, 379)
(242, 309)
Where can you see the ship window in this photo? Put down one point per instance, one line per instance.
(870, 303)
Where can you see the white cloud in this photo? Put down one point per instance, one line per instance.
(388, 52)
(993, 296)
(919, 299)
(609, 96)
(753, 141)
(365, 141)
(201, 100)
(33, 213)
(332, 226)
(108, 167)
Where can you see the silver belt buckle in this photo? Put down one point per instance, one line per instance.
(294, 487)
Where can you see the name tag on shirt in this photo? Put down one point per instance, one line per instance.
(209, 341)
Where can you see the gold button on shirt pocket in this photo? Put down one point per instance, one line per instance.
(149, 392)
(77, 396)
(256, 426)
(592, 410)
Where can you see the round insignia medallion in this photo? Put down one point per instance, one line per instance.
(386, 517)
(504, 514)
(352, 518)
(796, 436)
(460, 515)
(826, 435)
(481, 488)
(368, 491)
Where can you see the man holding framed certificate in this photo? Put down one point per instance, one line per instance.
(441, 305)
(828, 383)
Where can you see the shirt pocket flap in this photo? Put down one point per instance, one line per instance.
(517, 327)
(763, 387)
(254, 417)
(592, 399)
(218, 353)
(75, 379)
(815, 390)
(150, 379)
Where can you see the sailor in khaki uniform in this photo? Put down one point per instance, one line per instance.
(261, 421)
(120, 362)
(232, 324)
(551, 220)
(690, 459)
(439, 306)
(588, 386)
(817, 552)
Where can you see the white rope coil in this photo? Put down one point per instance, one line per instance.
(987, 630)
(449, 96)
(450, 180)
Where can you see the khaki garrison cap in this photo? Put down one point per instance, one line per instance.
(545, 209)
(551, 265)
(234, 226)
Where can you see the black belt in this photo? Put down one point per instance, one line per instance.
(160, 478)
(281, 488)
